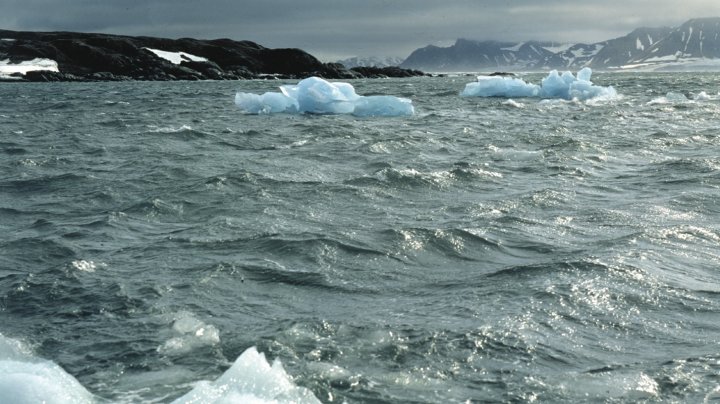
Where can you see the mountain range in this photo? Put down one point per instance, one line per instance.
(372, 61)
(695, 45)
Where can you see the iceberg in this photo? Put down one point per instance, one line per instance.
(317, 96)
(496, 86)
(265, 104)
(564, 86)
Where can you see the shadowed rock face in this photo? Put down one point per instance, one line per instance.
(102, 57)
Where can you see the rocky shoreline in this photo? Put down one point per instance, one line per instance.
(104, 57)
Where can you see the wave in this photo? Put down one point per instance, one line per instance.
(430, 245)
(13, 149)
(684, 166)
(38, 250)
(184, 132)
(296, 277)
(44, 184)
(545, 269)
(411, 178)
(156, 207)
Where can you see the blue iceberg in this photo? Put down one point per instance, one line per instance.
(317, 96)
(555, 85)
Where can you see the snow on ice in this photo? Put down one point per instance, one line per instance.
(317, 96)
(555, 85)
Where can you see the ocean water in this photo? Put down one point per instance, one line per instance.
(482, 250)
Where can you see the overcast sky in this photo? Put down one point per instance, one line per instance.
(337, 29)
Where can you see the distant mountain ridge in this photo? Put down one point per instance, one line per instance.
(372, 61)
(694, 43)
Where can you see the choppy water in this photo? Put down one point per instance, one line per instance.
(484, 249)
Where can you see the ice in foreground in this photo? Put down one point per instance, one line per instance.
(251, 379)
(26, 379)
(317, 96)
(555, 85)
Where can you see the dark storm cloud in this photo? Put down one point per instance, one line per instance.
(344, 28)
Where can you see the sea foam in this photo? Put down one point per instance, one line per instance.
(317, 96)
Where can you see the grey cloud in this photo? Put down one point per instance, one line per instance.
(338, 28)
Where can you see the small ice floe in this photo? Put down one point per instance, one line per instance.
(190, 333)
(176, 57)
(563, 86)
(317, 96)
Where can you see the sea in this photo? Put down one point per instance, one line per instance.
(159, 245)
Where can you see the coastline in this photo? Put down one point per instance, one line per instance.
(88, 57)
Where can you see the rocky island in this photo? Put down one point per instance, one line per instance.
(72, 56)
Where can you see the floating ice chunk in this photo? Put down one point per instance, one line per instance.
(555, 85)
(317, 96)
(500, 86)
(26, 379)
(265, 104)
(383, 105)
(190, 333)
(584, 74)
(251, 379)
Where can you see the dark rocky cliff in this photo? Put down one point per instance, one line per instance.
(88, 57)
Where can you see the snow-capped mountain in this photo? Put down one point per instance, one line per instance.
(608, 54)
(469, 55)
(696, 42)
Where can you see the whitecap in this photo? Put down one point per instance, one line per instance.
(84, 266)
